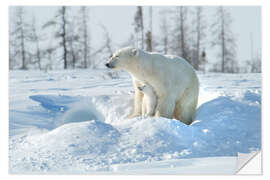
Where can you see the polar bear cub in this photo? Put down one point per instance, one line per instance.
(149, 100)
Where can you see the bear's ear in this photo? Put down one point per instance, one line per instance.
(134, 52)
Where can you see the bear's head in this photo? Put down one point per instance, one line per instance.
(122, 58)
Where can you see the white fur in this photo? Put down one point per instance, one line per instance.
(149, 100)
(173, 79)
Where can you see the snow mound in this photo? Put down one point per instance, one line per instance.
(92, 137)
(71, 147)
(228, 127)
(81, 111)
(94, 134)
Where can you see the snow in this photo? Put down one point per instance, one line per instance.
(220, 165)
(76, 122)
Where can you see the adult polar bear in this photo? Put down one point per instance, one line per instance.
(172, 78)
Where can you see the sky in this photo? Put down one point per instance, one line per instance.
(118, 21)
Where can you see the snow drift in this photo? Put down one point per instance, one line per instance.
(223, 127)
(82, 134)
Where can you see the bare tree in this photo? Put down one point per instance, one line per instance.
(35, 38)
(138, 23)
(85, 39)
(149, 39)
(107, 40)
(183, 31)
(200, 27)
(11, 53)
(49, 53)
(203, 60)
(73, 42)
(225, 40)
(11, 46)
(180, 35)
(254, 65)
(62, 13)
(60, 20)
(72, 52)
(164, 28)
(19, 36)
(106, 49)
(10, 59)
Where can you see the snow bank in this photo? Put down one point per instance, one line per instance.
(93, 140)
(54, 129)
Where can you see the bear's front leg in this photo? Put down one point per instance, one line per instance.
(138, 98)
(165, 107)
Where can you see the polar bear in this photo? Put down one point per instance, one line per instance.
(149, 100)
(173, 79)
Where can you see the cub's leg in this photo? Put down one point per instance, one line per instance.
(138, 98)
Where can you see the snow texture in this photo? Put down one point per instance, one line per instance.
(76, 122)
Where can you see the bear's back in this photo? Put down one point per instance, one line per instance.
(172, 59)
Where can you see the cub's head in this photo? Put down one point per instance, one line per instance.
(142, 88)
(122, 58)
(146, 88)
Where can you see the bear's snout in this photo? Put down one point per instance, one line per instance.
(108, 65)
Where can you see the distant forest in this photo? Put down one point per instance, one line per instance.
(71, 47)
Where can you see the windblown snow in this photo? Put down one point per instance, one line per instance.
(76, 122)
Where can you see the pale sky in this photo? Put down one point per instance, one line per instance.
(118, 21)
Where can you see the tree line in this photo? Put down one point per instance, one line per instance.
(182, 31)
